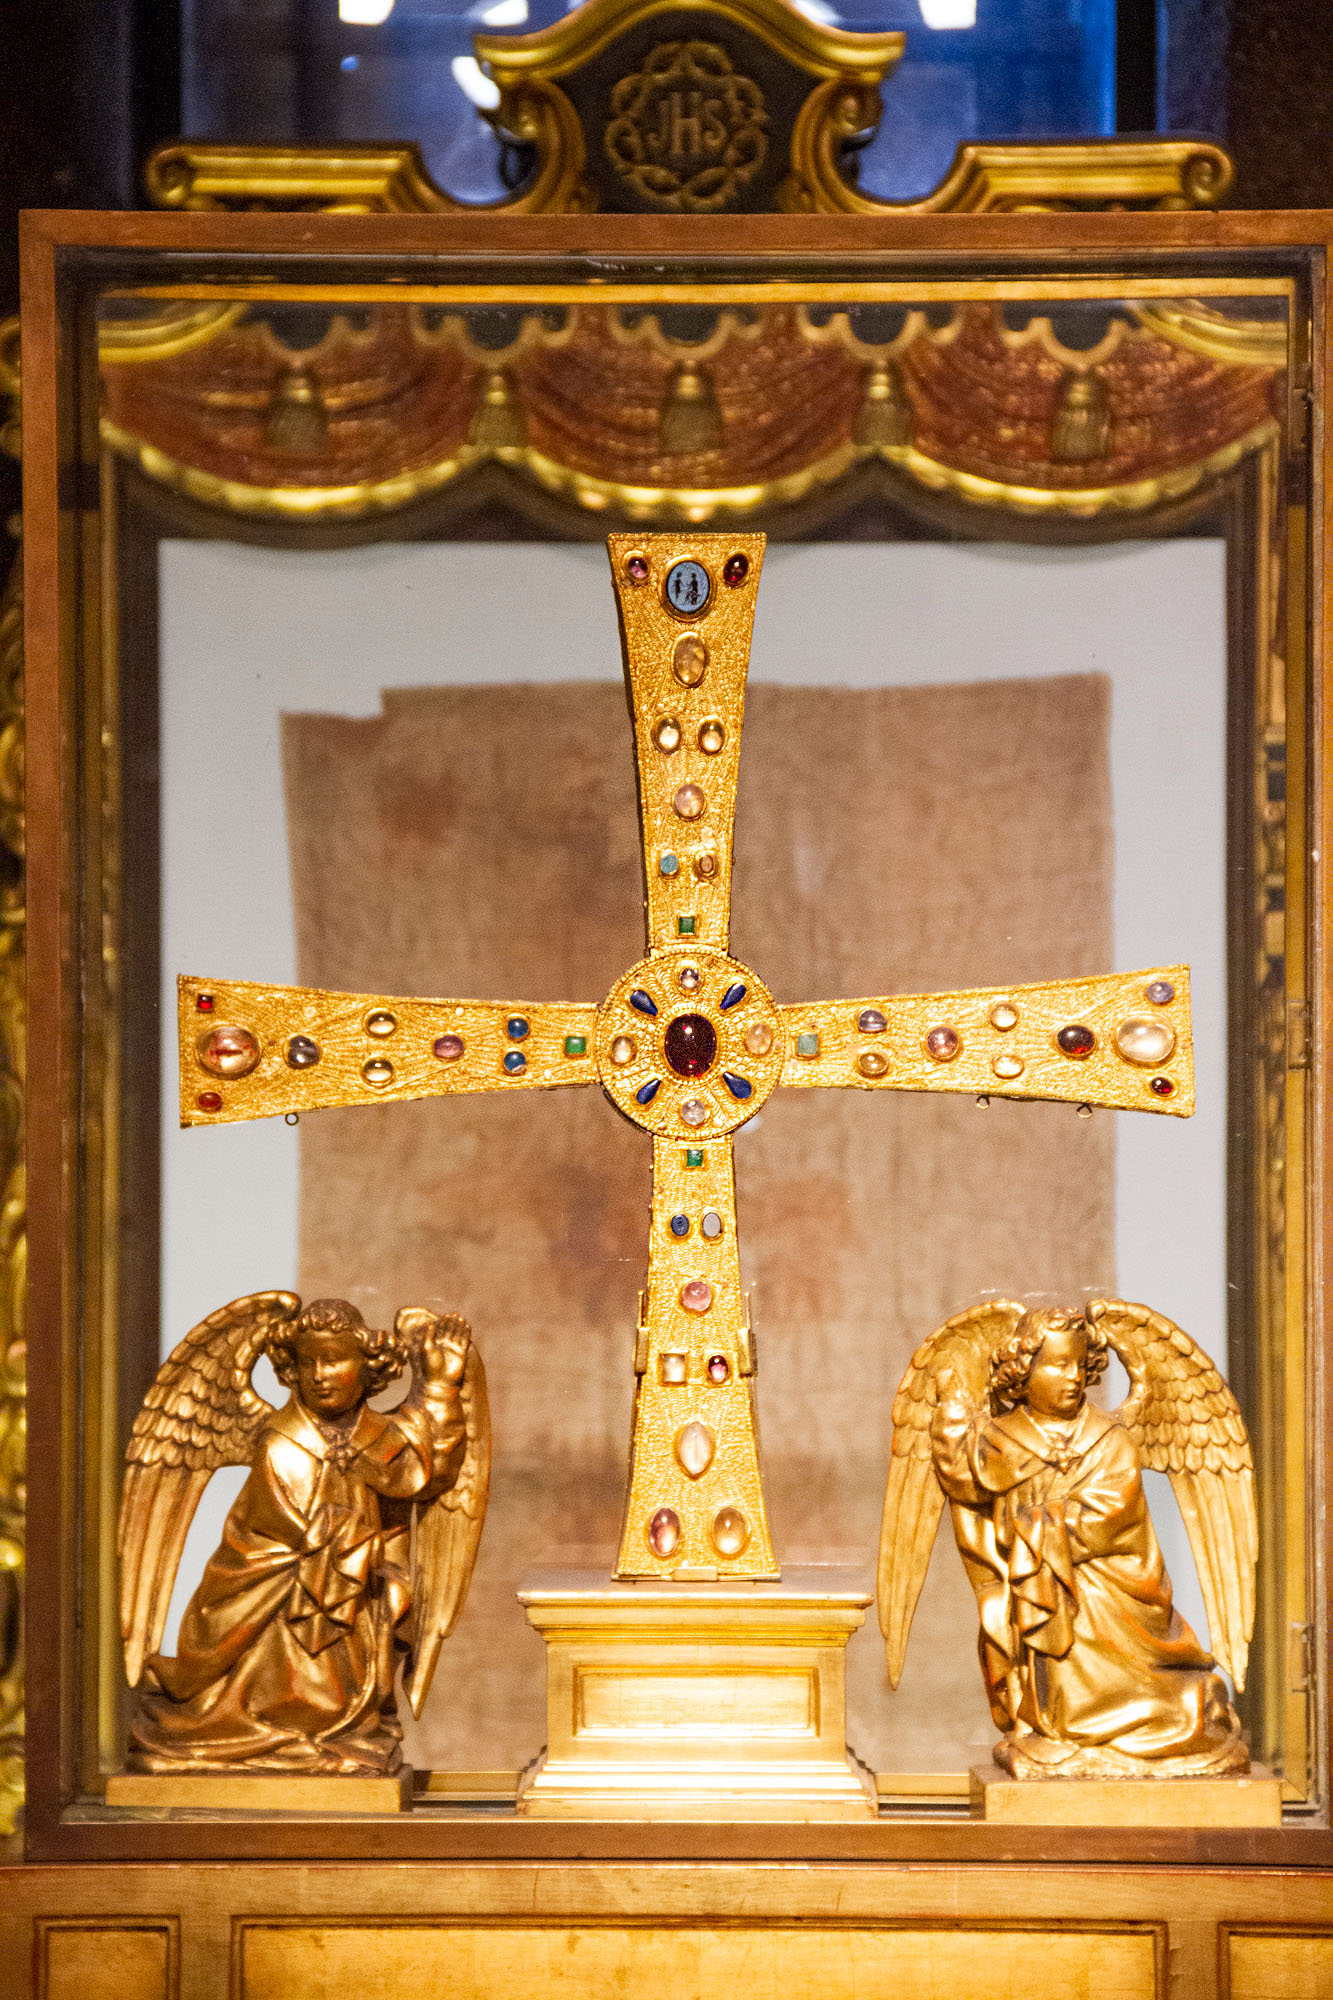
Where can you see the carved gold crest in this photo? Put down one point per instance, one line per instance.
(687, 132)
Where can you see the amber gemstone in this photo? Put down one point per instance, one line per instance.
(719, 1368)
(381, 1022)
(942, 1044)
(227, 1051)
(695, 1449)
(712, 735)
(759, 1038)
(1008, 1067)
(731, 1532)
(1004, 1015)
(1076, 1040)
(379, 1071)
(735, 570)
(209, 1100)
(673, 1368)
(690, 661)
(690, 1044)
(1145, 1040)
(636, 569)
(705, 866)
(666, 734)
(664, 1532)
(873, 1063)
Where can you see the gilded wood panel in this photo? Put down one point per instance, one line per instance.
(92, 1961)
(1269, 1967)
(617, 1962)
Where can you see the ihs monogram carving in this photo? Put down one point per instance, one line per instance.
(687, 131)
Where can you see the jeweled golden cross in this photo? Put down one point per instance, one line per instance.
(688, 1044)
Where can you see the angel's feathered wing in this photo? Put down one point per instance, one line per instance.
(200, 1414)
(1185, 1422)
(913, 1501)
(447, 1537)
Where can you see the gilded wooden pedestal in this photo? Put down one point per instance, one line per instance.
(255, 1791)
(722, 1701)
(1241, 1798)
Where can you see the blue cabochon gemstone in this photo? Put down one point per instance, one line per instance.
(733, 995)
(680, 1225)
(516, 1028)
(644, 1002)
(739, 1086)
(648, 1091)
(515, 1062)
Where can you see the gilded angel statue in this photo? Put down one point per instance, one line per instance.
(1090, 1670)
(347, 1553)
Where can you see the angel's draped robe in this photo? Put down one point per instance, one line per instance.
(287, 1650)
(1080, 1643)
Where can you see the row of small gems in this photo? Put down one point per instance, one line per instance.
(232, 1052)
(687, 591)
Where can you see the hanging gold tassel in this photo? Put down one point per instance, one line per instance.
(886, 414)
(1082, 428)
(690, 420)
(297, 420)
(498, 419)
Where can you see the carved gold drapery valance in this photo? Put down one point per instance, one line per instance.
(761, 407)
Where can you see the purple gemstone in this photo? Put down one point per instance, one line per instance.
(1161, 992)
(719, 1368)
(690, 1044)
(664, 1531)
(447, 1047)
(636, 569)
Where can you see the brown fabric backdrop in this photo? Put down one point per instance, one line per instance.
(484, 841)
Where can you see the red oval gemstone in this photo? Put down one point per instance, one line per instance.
(1076, 1040)
(690, 1044)
(209, 1100)
(735, 570)
(1162, 1086)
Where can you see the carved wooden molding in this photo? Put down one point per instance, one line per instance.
(660, 106)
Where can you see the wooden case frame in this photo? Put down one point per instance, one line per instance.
(75, 1387)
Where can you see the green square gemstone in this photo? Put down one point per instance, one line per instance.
(576, 1045)
(694, 1156)
(807, 1045)
(684, 926)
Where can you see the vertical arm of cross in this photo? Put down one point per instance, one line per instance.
(695, 1503)
(687, 674)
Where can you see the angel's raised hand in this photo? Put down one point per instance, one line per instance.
(444, 1350)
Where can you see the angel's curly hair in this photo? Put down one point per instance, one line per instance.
(1011, 1363)
(386, 1355)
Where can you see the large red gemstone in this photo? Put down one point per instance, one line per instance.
(691, 1044)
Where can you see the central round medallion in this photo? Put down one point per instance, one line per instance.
(690, 1044)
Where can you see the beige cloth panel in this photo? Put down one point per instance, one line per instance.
(483, 841)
